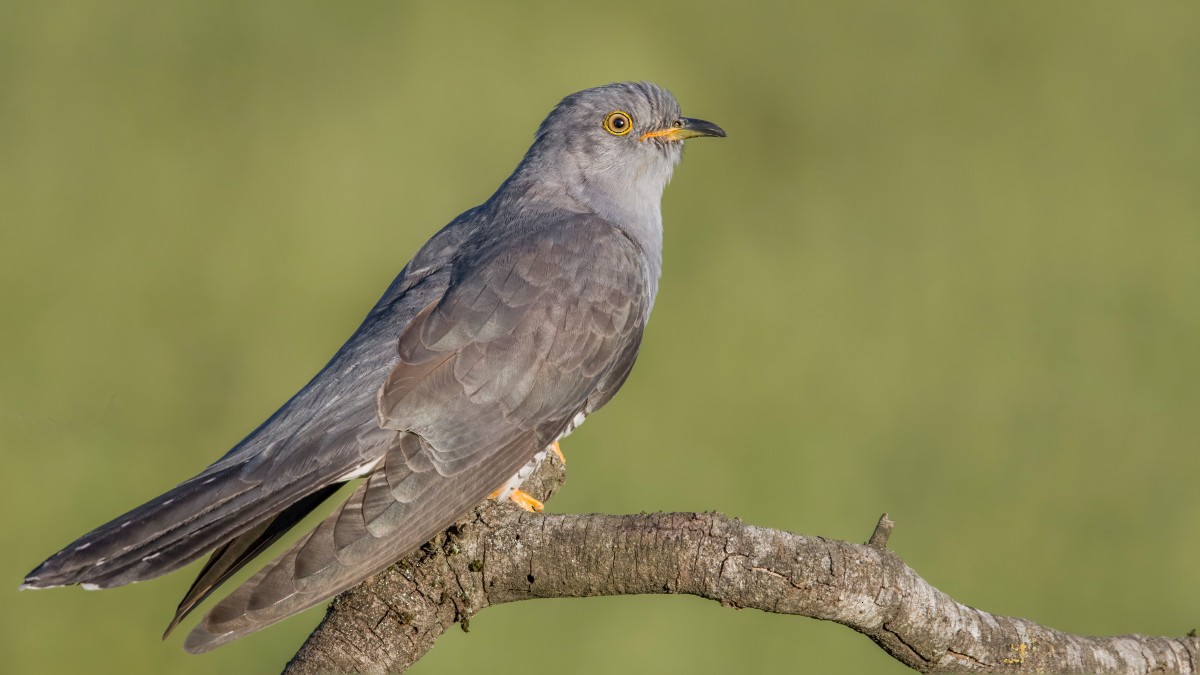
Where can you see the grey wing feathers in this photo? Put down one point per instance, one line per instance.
(234, 554)
(392, 513)
(324, 432)
(529, 334)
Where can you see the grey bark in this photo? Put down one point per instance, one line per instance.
(502, 554)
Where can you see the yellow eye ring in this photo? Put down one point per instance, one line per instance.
(618, 123)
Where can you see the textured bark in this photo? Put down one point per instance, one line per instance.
(501, 554)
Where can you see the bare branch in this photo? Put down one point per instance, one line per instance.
(883, 532)
(502, 554)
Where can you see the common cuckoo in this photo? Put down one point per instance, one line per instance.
(507, 328)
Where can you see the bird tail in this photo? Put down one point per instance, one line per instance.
(170, 530)
(234, 554)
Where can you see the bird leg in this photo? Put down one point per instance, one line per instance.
(522, 499)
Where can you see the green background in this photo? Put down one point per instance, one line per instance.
(944, 266)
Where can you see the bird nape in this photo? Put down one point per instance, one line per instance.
(503, 333)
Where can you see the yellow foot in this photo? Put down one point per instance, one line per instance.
(522, 499)
(558, 451)
(526, 501)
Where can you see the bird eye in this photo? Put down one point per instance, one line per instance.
(618, 123)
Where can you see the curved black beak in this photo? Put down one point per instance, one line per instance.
(694, 127)
(685, 128)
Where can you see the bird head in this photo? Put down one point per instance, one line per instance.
(614, 146)
(620, 121)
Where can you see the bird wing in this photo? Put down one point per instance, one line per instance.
(533, 326)
(325, 432)
(234, 554)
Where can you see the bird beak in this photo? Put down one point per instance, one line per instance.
(685, 128)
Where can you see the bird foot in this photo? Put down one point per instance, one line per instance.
(558, 451)
(522, 499)
(526, 501)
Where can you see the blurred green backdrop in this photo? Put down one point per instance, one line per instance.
(945, 265)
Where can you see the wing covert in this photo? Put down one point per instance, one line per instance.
(531, 333)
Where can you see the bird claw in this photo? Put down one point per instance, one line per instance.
(526, 501)
(522, 499)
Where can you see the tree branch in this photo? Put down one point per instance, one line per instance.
(501, 554)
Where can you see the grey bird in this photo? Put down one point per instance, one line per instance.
(506, 329)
